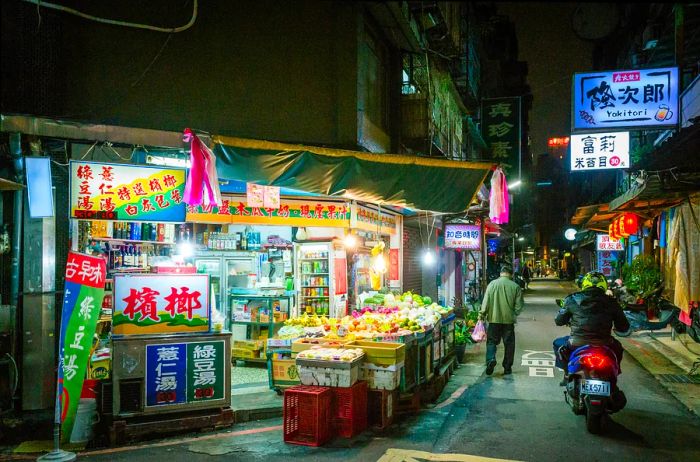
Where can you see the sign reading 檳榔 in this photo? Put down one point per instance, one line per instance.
(157, 304)
(626, 99)
(102, 191)
(599, 151)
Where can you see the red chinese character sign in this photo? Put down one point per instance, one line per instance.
(158, 304)
(605, 242)
(84, 291)
(607, 263)
(126, 192)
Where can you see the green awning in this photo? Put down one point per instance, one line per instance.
(437, 185)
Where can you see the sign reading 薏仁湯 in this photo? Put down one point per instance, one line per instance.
(126, 192)
(156, 304)
(625, 99)
(599, 151)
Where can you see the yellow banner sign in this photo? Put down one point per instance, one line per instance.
(303, 212)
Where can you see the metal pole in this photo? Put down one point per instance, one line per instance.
(16, 154)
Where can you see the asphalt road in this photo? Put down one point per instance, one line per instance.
(520, 417)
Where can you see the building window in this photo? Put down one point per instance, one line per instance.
(376, 81)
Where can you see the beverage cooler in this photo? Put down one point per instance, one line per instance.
(230, 273)
(321, 287)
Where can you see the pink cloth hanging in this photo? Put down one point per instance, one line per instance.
(202, 186)
(498, 198)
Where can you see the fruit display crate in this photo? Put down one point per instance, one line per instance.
(329, 373)
(425, 357)
(349, 410)
(382, 353)
(282, 370)
(409, 373)
(448, 335)
(307, 415)
(437, 344)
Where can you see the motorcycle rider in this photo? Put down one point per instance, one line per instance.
(591, 314)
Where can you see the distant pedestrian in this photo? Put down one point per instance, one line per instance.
(503, 302)
(527, 275)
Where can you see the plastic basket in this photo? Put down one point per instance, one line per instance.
(349, 416)
(382, 353)
(307, 415)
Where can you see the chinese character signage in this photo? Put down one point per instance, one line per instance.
(598, 151)
(160, 304)
(126, 192)
(626, 99)
(82, 300)
(178, 373)
(500, 128)
(308, 212)
(607, 262)
(605, 242)
(466, 237)
(367, 219)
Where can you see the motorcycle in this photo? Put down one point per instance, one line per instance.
(591, 389)
(637, 313)
(591, 384)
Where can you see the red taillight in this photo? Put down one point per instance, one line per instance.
(594, 361)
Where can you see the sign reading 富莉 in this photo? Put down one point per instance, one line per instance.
(625, 99)
(598, 151)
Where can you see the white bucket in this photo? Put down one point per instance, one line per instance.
(85, 419)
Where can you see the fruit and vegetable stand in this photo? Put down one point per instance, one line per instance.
(396, 346)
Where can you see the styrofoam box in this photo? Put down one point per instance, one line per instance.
(328, 377)
(379, 378)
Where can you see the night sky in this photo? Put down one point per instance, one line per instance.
(553, 52)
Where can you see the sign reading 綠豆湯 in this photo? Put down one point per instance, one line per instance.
(605, 242)
(599, 151)
(100, 191)
(638, 98)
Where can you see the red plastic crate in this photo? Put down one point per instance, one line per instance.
(307, 415)
(349, 414)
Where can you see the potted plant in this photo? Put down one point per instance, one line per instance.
(642, 277)
(461, 339)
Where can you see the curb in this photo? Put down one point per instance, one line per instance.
(688, 394)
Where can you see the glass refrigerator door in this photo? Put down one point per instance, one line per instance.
(314, 278)
(241, 273)
(212, 267)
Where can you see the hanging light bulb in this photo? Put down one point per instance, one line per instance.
(428, 257)
(350, 241)
(379, 264)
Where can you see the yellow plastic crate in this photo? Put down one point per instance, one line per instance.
(244, 353)
(298, 346)
(381, 353)
(248, 344)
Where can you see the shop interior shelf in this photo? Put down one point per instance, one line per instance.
(313, 286)
(258, 323)
(112, 239)
(311, 274)
(314, 259)
(313, 296)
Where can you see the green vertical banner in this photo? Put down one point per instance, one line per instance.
(205, 371)
(500, 128)
(82, 302)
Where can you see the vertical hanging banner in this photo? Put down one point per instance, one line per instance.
(500, 128)
(84, 291)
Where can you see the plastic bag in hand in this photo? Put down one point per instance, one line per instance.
(479, 333)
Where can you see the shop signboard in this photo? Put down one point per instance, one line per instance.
(605, 242)
(607, 261)
(103, 191)
(600, 151)
(82, 301)
(160, 304)
(190, 372)
(500, 129)
(631, 99)
(368, 219)
(291, 212)
(466, 237)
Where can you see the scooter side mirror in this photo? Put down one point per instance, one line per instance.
(560, 302)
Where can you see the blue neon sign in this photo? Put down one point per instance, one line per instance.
(639, 98)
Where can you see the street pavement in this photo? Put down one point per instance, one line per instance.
(518, 417)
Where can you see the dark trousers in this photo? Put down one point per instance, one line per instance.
(494, 333)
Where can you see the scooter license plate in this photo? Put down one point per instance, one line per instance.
(595, 387)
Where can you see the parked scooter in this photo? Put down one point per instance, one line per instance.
(637, 313)
(591, 387)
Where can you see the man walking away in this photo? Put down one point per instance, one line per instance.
(527, 275)
(503, 302)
